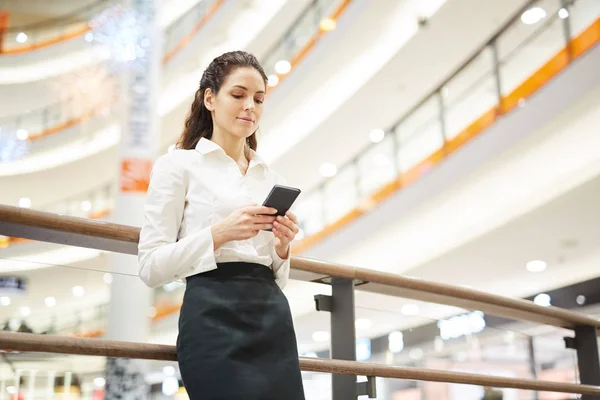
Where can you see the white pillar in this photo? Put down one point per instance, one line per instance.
(130, 299)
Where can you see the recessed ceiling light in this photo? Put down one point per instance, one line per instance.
(25, 311)
(21, 37)
(580, 299)
(328, 170)
(536, 266)
(283, 67)
(5, 301)
(320, 336)
(22, 134)
(24, 202)
(377, 135)
(410, 309)
(543, 300)
(50, 301)
(363, 323)
(533, 15)
(396, 342)
(273, 80)
(86, 205)
(327, 24)
(78, 291)
(563, 13)
(89, 36)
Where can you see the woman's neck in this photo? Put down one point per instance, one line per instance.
(233, 146)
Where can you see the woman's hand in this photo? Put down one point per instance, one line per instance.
(285, 230)
(244, 223)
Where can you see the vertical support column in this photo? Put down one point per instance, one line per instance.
(532, 363)
(496, 60)
(442, 115)
(130, 301)
(586, 345)
(343, 336)
(567, 28)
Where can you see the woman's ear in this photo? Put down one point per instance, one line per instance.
(209, 97)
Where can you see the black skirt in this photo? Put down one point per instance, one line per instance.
(236, 337)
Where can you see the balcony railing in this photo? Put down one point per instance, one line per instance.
(344, 281)
(524, 55)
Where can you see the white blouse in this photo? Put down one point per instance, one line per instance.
(189, 191)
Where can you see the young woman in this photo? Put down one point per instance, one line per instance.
(204, 225)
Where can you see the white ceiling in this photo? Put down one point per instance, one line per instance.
(414, 70)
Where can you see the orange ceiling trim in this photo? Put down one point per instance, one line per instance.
(77, 32)
(301, 54)
(578, 46)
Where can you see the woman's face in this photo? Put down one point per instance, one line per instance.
(237, 107)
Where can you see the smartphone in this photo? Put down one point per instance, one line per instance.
(281, 198)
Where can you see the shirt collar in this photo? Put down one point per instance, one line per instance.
(206, 146)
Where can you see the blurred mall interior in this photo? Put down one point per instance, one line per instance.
(454, 141)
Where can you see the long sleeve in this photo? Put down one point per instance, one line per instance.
(281, 267)
(162, 258)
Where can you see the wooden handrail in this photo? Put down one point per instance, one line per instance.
(83, 232)
(29, 342)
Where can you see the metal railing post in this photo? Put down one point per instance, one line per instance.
(343, 338)
(588, 359)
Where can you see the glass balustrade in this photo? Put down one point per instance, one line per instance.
(502, 75)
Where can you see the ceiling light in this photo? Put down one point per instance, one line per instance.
(410, 309)
(24, 202)
(22, 134)
(25, 311)
(328, 170)
(536, 266)
(89, 37)
(327, 24)
(50, 301)
(363, 323)
(21, 37)
(563, 13)
(396, 342)
(170, 386)
(86, 205)
(99, 382)
(169, 370)
(108, 278)
(5, 301)
(273, 80)
(376, 135)
(533, 15)
(11, 390)
(580, 299)
(283, 67)
(78, 291)
(543, 300)
(320, 336)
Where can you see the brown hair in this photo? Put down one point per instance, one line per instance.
(199, 122)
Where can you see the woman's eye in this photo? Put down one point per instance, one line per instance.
(259, 101)
(237, 96)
